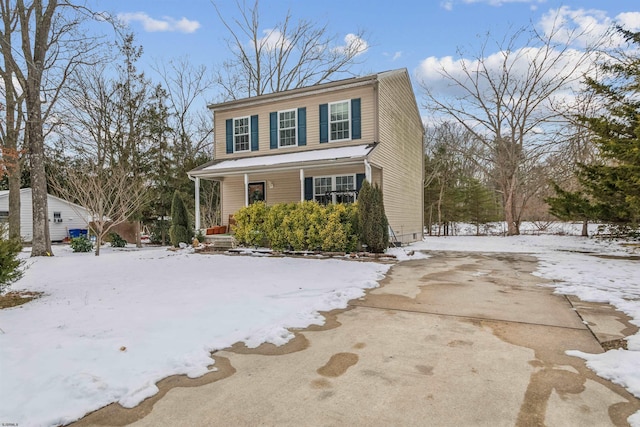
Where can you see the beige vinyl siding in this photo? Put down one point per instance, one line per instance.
(232, 196)
(400, 154)
(312, 104)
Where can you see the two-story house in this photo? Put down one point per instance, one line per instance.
(320, 143)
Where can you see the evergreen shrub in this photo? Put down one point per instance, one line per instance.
(179, 232)
(81, 244)
(304, 226)
(374, 226)
(9, 263)
(249, 228)
(117, 241)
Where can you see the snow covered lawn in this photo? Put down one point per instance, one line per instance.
(109, 327)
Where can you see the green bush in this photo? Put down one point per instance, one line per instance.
(117, 241)
(340, 233)
(299, 226)
(273, 225)
(158, 228)
(179, 232)
(249, 229)
(81, 244)
(9, 263)
(374, 226)
(302, 226)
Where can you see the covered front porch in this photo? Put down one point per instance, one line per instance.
(332, 175)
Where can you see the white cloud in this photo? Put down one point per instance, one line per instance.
(354, 45)
(167, 23)
(629, 20)
(272, 40)
(447, 5)
(432, 70)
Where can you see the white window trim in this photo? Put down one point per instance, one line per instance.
(333, 184)
(295, 127)
(348, 101)
(234, 133)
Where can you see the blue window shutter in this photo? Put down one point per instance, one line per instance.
(356, 131)
(273, 130)
(324, 123)
(302, 126)
(359, 180)
(254, 133)
(308, 188)
(229, 136)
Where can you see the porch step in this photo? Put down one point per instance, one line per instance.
(220, 241)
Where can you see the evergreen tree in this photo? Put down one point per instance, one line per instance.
(179, 231)
(9, 262)
(611, 189)
(374, 226)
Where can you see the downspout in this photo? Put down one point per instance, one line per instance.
(367, 171)
(376, 112)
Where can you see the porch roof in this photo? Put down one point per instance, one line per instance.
(278, 162)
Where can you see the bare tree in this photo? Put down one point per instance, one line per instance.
(507, 101)
(111, 195)
(185, 85)
(11, 127)
(51, 45)
(284, 56)
(191, 129)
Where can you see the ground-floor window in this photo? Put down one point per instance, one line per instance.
(335, 189)
(4, 216)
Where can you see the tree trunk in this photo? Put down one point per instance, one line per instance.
(510, 209)
(137, 231)
(14, 204)
(585, 228)
(41, 243)
(98, 243)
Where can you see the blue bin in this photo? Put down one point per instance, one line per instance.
(77, 232)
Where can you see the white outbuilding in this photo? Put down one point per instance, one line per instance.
(63, 215)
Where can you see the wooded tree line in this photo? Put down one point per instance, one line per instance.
(519, 140)
(80, 119)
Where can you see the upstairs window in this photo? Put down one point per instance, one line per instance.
(241, 134)
(287, 128)
(339, 120)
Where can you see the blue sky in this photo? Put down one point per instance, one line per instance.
(400, 34)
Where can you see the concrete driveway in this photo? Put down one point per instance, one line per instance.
(459, 339)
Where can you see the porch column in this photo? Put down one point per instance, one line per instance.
(302, 185)
(367, 171)
(197, 203)
(246, 189)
